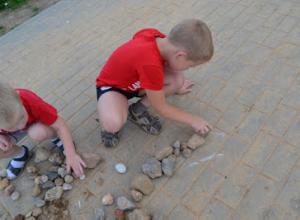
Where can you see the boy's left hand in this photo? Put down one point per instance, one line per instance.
(186, 87)
(75, 163)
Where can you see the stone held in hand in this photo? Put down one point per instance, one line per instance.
(152, 168)
(15, 195)
(9, 190)
(36, 190)
(4, 183)
(195, 141)
(162, 152)
(143, 184)
(54, 193)
(91, 159)
(41, 155)
(107, 199)
(136, 195)
(168, 165)
(138, 214)
(124, 204)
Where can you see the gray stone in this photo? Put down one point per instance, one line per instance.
(36, 212)
(56, 158)
(195, 141)
(67, 186)
(152, 168)
(41, 155)
(15, 196)
(32, 169)
(69, 179)
(143, 184)
(3, 173)
(163, 152)
(91, 159)
(138, 214)
(136, 195)
(38, 202)
(59, 182)
(48, 185)
(54, 193)
(187, 153)
(52, 175)
(44, 179)
(62, 172)
(124, 204)
(168, 165)
(99, 214)
(176, 145)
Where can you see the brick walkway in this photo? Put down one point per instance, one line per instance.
(250, 92)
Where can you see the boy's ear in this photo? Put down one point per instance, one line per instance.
(181, 53)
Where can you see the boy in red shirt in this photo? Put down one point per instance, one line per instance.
(23, 112)
(150, 66)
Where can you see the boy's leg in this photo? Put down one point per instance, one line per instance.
(112, 110)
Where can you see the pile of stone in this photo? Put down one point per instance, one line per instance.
(161, 164)
(9, 189)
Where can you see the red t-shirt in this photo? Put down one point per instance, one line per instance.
(38, 110)
(136, 64)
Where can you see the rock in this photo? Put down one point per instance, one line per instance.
(120, 168)
(69, 179)
(91, 159)
(168, 165)
(176, 145)
(163, 152)
(36, 212)
(58, 181)
(28, 214)
(187, 153)
(176, 152)
(143, 184)
(152, 168)
(67, 186)
(183, 146)
(31, 218)
(4, 183)
(99, 214)
(54, 193)
(56, 158)
(19, 217)
(138, 214)
(53, 168)
(9, 190)
(119, 214)
(107, 199)
(136, 195)
(48, 185)
(62, 172)
(3, 173)
(36, 190)
(195, 141)
(44, 178)
(82, 177)
(15, 196)
(124, 204)
(52, 175)
(32, 169)
(38, 202)
(41, 155)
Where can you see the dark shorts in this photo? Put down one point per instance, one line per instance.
(104, 89)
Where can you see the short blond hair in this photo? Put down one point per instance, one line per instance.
(10, 105)
(194, 36)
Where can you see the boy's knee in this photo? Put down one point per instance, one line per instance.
(113, 124)
(37, 134)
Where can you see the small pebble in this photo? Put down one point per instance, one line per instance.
(187, 153)
(15, 196)
(9, 190)
(68, 179)
(108, 199)
(44, 178)
(36, 212)
(120, 168)
(82, 177)
(136, 195)
(3, 173)
(58, 182)
(38, 202)
(67, 186)
(32, 169)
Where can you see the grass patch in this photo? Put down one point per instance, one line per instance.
(11, 4)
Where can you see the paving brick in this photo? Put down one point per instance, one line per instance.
(291, 98)
(260, 150)
(216, 210)
(292, 134)
(288, 23)
(181, 212)
(268, 101)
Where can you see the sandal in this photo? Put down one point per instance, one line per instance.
(109, 139)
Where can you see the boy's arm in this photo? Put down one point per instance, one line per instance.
(73, 159)
(158, 102)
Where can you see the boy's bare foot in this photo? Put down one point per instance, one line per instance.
(139, 114)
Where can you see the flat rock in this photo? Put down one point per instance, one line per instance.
(163, 152)
(125, 204)
(47, 185)
(143, 184)
(138, 214)
(41, 155)
(52, 175)
(91, 159)
(36, 190)
(136, 195)
(187, 153)
(152, 168)
(67, 186)
(195, 141)
(38, 202)
(54, 193)
(168, 165)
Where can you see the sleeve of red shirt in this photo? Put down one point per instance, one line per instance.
(151, 77)
(46, 113)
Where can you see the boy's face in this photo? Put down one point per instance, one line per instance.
(179, 62)
(20, 121)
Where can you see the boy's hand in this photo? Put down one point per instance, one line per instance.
(75, 163)
(186, 87)
(201, 126)
(5, 143)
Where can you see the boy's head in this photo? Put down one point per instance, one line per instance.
(193, 42)
(12, 113)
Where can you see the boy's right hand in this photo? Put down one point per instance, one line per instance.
(5, 143)
(201, 126)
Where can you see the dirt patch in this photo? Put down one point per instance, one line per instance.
(9, 19)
